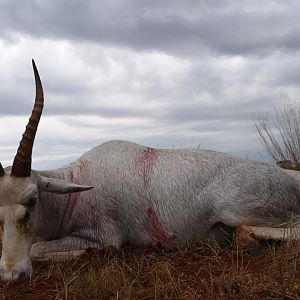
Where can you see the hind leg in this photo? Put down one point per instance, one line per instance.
(271, 233)
(244, 236)
(248, 236)
(245, 240)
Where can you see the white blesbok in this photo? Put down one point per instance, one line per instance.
(140, 196)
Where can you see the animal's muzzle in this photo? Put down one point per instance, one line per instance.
(17, 273)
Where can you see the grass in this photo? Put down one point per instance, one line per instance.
(281, 137)
(204, 271)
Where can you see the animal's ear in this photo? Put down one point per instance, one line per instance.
(60, 186)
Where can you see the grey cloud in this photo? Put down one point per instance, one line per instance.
(161, 73)
(184, 28)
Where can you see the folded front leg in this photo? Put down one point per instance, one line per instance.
(75, 245)
(66, 248)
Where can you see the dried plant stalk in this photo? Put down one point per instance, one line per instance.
(281, 138)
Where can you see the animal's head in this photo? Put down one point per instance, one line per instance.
(19, 194)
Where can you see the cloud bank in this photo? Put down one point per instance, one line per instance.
(164, 74)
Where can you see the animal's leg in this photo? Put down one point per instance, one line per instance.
(59, 256)
(284, 233)
(77, 244)
(242, 236)
(66, 248)
(244, 239)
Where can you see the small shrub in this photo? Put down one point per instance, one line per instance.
(281, 138)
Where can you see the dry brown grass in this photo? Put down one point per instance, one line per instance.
(281, 138)
(203, 271)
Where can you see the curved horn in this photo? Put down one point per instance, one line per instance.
(22, 162)
(1, 171)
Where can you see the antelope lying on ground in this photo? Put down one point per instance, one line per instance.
(140, 196)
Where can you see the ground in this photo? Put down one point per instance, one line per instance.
(202, 271)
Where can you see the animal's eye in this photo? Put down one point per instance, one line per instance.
(31, 203)
(26, 217)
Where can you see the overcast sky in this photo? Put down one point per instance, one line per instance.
(164, 74)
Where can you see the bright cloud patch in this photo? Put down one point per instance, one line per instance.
(161, 74)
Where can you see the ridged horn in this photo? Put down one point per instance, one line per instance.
(1, 171)
(22, 162)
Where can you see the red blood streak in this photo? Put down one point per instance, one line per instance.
(73, 199)
(82, 173)
(146, 163)
(84, 168)
(70, 175)
(155, 228)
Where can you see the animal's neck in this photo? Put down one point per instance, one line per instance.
(54, 210)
